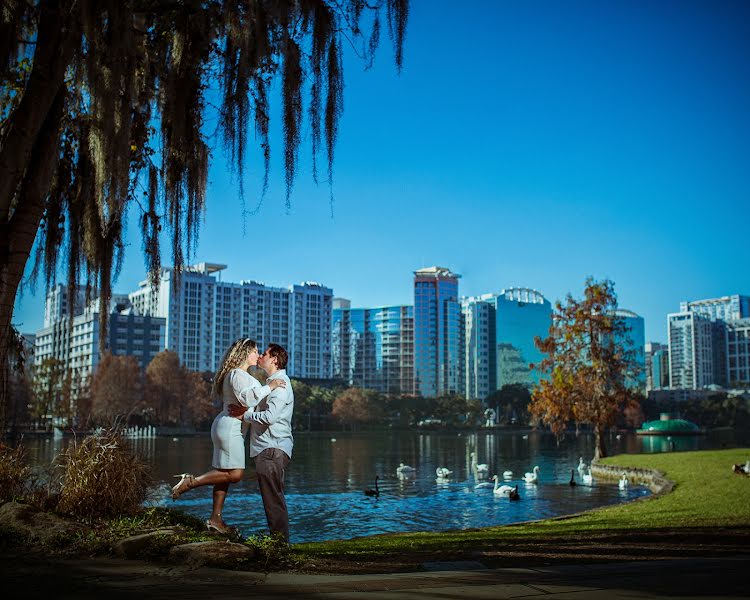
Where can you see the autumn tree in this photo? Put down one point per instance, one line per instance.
(174, 394)
(588, 364)
(355, 405)
(165, 388)
(103, 107)
(116, 391)
(199, 409)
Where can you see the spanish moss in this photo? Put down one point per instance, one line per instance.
(116, 91)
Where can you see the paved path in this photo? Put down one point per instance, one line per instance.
(114, 579)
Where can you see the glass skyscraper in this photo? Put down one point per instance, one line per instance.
(500, 330)
(521, 315)
(373, 348)
(635, 341)
(438, 332)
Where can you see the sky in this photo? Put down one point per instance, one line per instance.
(525, 143)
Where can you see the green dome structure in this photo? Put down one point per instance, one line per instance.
(669, 425)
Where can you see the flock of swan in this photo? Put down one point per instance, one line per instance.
(481, 471)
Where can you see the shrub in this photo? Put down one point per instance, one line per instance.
(273, 551)
(101, 477)
(14, 472)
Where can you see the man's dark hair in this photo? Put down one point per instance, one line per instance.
(279, 354)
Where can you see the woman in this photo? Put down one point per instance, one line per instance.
(235, 386)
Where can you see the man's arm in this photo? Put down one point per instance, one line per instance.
(277, 401)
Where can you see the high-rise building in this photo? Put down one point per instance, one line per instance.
(205, 315)
(479, 347)
(438, 330)
(373, 348)
(657, 366)
(703, 354)
(77, 347)
(634, 341)
(57, 303)
(738, 352)
(500, 330)
(725, 308)
(690, 350)
(522, 315)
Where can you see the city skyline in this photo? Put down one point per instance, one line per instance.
(546, 143)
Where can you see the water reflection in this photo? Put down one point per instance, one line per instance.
(327, 478)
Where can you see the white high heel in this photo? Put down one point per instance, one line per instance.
(186, 480)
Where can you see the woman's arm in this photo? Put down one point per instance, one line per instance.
(246, 389)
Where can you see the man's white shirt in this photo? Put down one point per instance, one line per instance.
(271, 422)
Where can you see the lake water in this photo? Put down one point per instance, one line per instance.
(328, 473)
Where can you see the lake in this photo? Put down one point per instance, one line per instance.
(328, 473)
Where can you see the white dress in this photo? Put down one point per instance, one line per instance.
(227, 432)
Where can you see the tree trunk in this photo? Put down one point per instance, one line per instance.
(52, 55)
(22, 228)
(600, 451)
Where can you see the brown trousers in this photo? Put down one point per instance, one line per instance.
(270, 465)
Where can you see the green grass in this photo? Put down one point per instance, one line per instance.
(707, 494)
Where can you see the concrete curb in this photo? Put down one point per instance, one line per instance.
(653, 479)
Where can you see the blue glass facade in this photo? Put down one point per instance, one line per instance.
(373, 348)
(660, 369)
(635, 340)
(521, 315)
(438, 333)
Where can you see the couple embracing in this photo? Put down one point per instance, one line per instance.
(264, 410)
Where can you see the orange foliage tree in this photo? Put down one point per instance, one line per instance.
(588, 364)
(176, 395)
(116, 391)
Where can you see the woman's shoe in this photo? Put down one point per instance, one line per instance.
(223, 528)
(183, 485)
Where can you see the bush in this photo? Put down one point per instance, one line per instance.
(101, 477)
(272, 551)
(14, 472)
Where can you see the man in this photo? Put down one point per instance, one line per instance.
(271, 440)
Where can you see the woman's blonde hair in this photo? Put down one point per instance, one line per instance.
(233, 358)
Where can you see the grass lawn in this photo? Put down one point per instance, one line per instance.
(709, 502)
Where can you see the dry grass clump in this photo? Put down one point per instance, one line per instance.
(101, 477)
(14, 472)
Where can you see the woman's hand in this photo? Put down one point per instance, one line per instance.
(276, 383)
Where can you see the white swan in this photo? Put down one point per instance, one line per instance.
(587, 478)
(482, 469)
(532, 477)
(581, 466)
(443, 473)
(501, 490)
(404, 470)
(507, 474)
(623, 483)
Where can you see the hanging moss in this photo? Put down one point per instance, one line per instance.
(133, 125)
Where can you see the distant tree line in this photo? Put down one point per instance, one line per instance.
(168, 394)
(717, 410)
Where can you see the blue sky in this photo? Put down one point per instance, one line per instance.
(524, 144)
